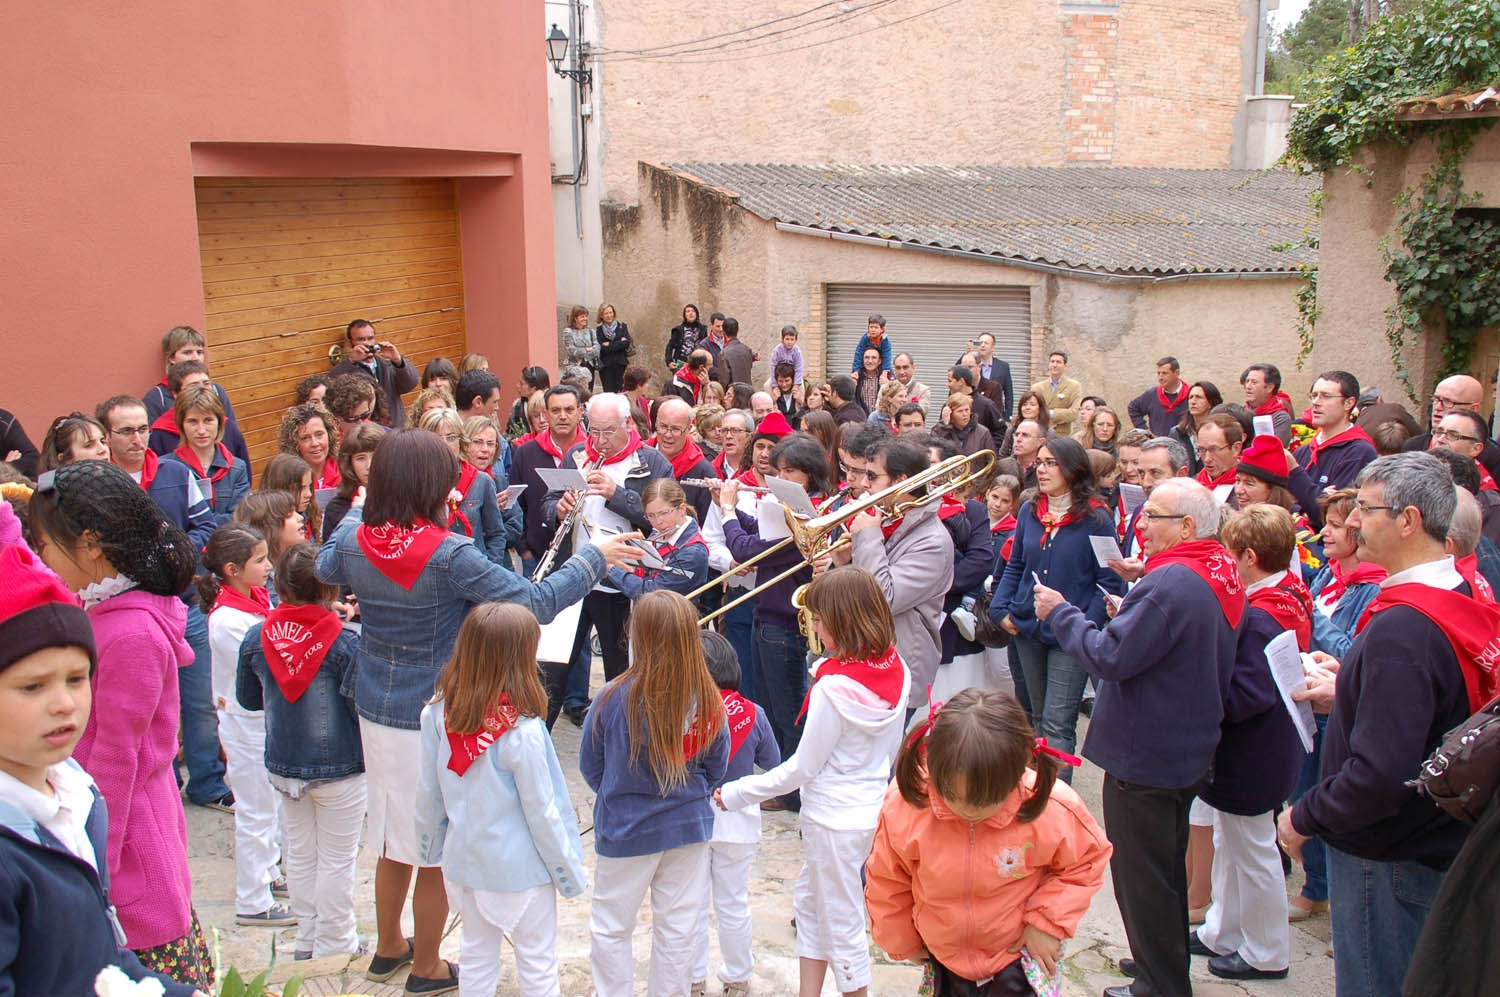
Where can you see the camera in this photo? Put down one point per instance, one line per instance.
(374, 349)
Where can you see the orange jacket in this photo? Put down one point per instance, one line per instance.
(966, 891)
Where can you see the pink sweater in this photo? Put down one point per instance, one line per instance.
(128, 747)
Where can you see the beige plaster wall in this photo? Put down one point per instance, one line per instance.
(687, 243)
(1358, 213)
(982, 82)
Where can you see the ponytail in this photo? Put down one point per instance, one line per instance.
(232, 543)
(1047, 769)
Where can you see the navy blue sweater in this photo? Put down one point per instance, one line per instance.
(1399, 691)
(1067, 564)
(774, 604)
(57, 927)
(1336, 466)
(1260, 755)
(759, 750)
(1147, 412)
(973, 559)
(1163, 664)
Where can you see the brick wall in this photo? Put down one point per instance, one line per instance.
(1090, 40)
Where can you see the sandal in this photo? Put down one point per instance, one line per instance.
(383, 967)
(427, 986)
(1300, 908)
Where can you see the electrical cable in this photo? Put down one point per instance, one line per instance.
(722, 34)
(768, 37)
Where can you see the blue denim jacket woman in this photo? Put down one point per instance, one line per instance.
(317, 737)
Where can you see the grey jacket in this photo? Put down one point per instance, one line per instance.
(924, 550)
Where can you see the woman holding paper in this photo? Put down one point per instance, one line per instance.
(1052, 545)
(416, 582)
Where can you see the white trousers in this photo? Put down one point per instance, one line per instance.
(997, 669)
(966, 671)
(677, 880)
(1249, 910)
(829, 902)
(257, 811)
(322, 845)
(528, 918)
(729, 891)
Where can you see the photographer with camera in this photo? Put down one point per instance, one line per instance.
(380, 361)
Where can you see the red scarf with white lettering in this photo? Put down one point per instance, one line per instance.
(630, 447)
(1227, 478)
(545, 441)
(211, 475)
(467, 474)
(257, 603)
(295, 640)
(1210, 561)
(884, 676)
(740, 714)
(1171, 403)
(1471, 626)
(1279, 402)
(465, 749)
(1290, 604)
(398, 553)
(1468, 567)
(690, 454)
(1347, 436)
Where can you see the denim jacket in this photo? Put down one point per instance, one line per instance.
(317, 737)
(408, 635)
(481, 506)
(1335, 634)
(505, 825)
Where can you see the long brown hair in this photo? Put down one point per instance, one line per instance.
(976, 753)
(854, 611)
(495, 654)
(267, 513)
(284, 473)
(671, 691)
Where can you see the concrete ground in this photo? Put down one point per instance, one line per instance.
(1089, 966)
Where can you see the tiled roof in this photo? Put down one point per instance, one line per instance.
(1480, 104)
(1117, 220)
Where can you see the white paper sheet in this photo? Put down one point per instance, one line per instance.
(323, 496)
(1290, 675)
(793, 496)
(513, 491)
(557, 637)
(1264, 425)
(1133, 495)
(1106, 549)
(565, 479)
(771, 516)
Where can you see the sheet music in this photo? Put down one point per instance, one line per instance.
(1290, 675)
(564, 479)
(793, 496)
(556, 644)
(1106, 550)
(1134, 497)
(771, 517)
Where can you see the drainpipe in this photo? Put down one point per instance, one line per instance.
(573, 21)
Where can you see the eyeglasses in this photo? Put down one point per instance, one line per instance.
(1364, 508)
(870, 474)
(1148, 515)
(662, 429)
(1323, 396)
(361, 417)
(453, 438)
(1046, 462)
(656, 517)
(1439, 400)
(1213, 450)
(730, 430)
(128, 431)
(600, 432)
(1453, 434)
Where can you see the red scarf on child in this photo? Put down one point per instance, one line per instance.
(1289, 604)
(884, 676)
(1210, 561)
(465, 749)
(398, 553)
(1170, 403)
(1472, 628)
(740, 714)
(257, 603)
(295, 640)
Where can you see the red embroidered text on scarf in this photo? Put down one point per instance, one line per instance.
(465, 749)
(630, 447)
(1468, 567)
(1472, 628)
(1169, 404)
(295, 640)
(884, 676)
(1290, 604)
(258, 602)
(1210, 561)
(740, 714)
(467, 473)
(1349, 435)
(400, 554)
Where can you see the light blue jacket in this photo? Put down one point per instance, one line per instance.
(505, 825)
(1335, 634)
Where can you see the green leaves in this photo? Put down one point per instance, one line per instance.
(233, 985)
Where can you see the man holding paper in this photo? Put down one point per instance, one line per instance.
(1422, 661)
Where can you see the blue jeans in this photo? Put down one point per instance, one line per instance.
(200, 722)
(1377, 909)
(739, 627)
(577, 693)
(780, 662)
(1314, 852)
(1054, 684)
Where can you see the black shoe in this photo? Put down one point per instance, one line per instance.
(575, 714)
(1196, 946)
(1135, 988)
(1128, 967)
(383, 967)
(224, 804)
(425, 986)
(1086, 707)
(1234, 967)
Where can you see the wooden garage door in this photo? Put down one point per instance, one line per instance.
(288, 263)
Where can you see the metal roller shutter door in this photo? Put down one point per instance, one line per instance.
(932, 322)
(287, 263)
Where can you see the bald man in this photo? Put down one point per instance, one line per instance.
(674, 440)
(1458, 392)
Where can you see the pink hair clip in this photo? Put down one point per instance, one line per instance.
(1043, 748)
(926, 728)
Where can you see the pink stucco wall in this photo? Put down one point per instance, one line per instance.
(110, 110)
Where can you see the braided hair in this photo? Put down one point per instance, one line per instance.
(95, 497)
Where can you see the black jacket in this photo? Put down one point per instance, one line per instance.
(614, 352)
(13, 437)
(683, 339)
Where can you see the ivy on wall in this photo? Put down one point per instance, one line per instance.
(1442, 261)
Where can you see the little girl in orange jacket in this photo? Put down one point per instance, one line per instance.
(981, 854)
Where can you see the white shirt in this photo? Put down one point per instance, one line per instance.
(1265, 583)
(65, 814)
(1439, 574)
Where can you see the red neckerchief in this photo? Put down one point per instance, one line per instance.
(166, 422)
(1290, 604)
(630, 447)
(1468, 567)
(884, 676)
(1227, 478)
(258, 602)
(149, 469)
(1486, 480)
(295, 640)
(1006, 525)
(545, 441)
(1338, 582)
(187, 456)
(1211, 562)
(948, 507)
(888, 530)
(740, 713)
(1349, 435)
(1051, 524)
(467, 474)
(690, 454)
(692, 384)
(1470, 625)
(1170, 404)
(1279, 402)
(465, 749)
(718, 463)
(400, 554)
(330, 476)
(665, 550)
(749, 477)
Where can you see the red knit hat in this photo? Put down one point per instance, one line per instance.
(37, 611)
(1264, 458)
(772, 427)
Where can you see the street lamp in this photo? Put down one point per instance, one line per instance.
(557, 51)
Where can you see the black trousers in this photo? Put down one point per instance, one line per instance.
(609, 614)
(1149, 830)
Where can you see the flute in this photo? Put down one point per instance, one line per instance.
(714, 484)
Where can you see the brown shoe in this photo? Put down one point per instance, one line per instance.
(1300, 908)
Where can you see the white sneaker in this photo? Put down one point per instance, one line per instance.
(276, 916)
(963, 619)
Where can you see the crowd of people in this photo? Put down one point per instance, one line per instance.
(369, 638)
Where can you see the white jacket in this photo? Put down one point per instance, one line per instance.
(227, 627)
(843, 763)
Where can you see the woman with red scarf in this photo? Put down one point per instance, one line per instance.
(222, 477)
(1051, 546)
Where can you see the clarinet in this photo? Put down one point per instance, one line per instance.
(565, 528)
(714, 484)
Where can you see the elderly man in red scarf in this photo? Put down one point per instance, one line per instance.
(1163, 665)
(674, 441)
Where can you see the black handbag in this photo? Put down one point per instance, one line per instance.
(1461, 774)
(987, 631)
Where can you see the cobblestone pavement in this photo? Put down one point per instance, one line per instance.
(1088, 968)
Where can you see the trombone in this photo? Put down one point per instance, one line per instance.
(814, 537)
